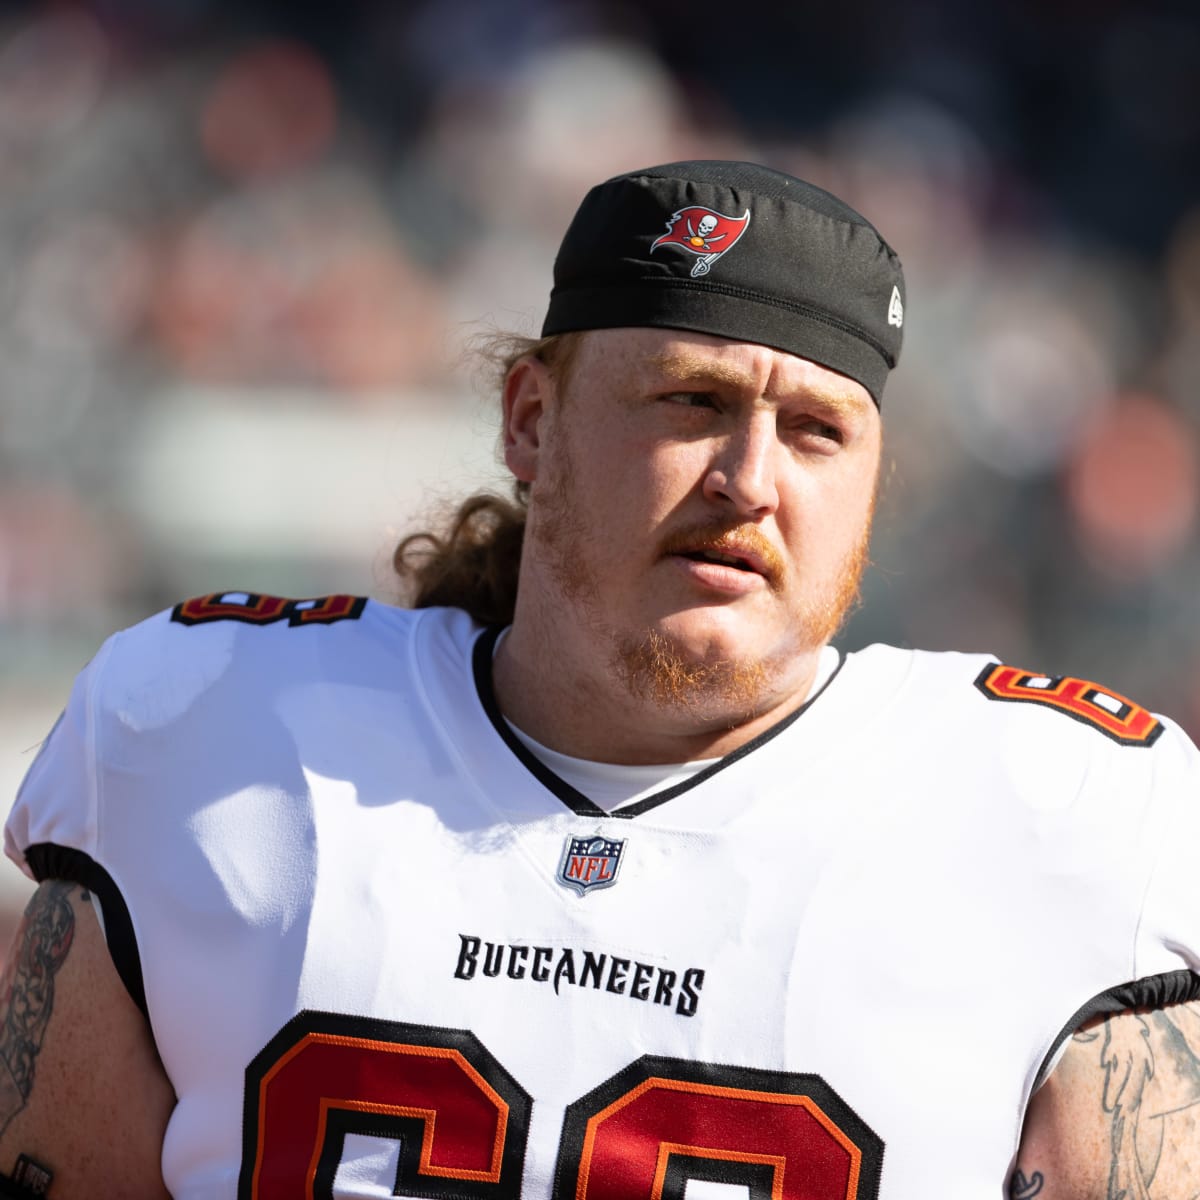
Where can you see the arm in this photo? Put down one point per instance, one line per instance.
(82, 1091)
(1119, 1118)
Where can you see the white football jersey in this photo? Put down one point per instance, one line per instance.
(384, 950)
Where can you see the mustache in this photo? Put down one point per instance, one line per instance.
(723, 537)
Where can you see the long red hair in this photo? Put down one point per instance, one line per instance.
(474, 560)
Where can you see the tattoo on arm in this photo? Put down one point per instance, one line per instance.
(1025, 1188)
(27, 990)
(1151, 1064)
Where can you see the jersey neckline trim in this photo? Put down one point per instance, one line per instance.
(575, 800)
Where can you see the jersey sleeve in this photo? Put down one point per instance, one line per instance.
(56, 804)
(1168, 937)
(117, 746)
(86, 809)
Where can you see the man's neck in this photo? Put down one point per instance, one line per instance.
(587, 710)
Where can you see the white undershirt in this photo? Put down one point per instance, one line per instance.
(611, 785)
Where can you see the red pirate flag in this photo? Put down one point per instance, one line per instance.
(706, 233)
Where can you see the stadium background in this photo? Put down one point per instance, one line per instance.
(242, 246)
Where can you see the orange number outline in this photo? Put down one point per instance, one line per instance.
(786, 1135)
(1114, 715)
(260, 609)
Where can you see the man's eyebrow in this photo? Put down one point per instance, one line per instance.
(690, 368)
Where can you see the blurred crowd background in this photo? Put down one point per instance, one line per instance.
(243, 248)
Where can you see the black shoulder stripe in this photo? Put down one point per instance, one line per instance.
(50, 861)
(1154, 991)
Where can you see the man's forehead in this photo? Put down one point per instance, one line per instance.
(698, 357)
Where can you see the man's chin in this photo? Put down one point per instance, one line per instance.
(712, 634)
(693, 670)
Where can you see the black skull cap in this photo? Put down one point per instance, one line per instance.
(737, 250)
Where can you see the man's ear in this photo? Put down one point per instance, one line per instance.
(529, 389)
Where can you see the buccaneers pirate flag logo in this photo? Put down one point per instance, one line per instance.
(707, 234)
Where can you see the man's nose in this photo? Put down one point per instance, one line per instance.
(742, 471)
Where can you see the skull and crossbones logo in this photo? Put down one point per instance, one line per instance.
(699, 235)
(695, 229)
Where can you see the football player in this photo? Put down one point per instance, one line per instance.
(598, 873)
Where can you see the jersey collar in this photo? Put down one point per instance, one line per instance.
(575, 800)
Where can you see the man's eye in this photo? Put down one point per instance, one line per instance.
(815, 427)
(692, 399)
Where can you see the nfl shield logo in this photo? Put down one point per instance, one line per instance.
(590, 863)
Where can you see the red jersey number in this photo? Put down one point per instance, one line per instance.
(460, 1122)
(459, 1119)
(253, 608)
(1112, 714)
